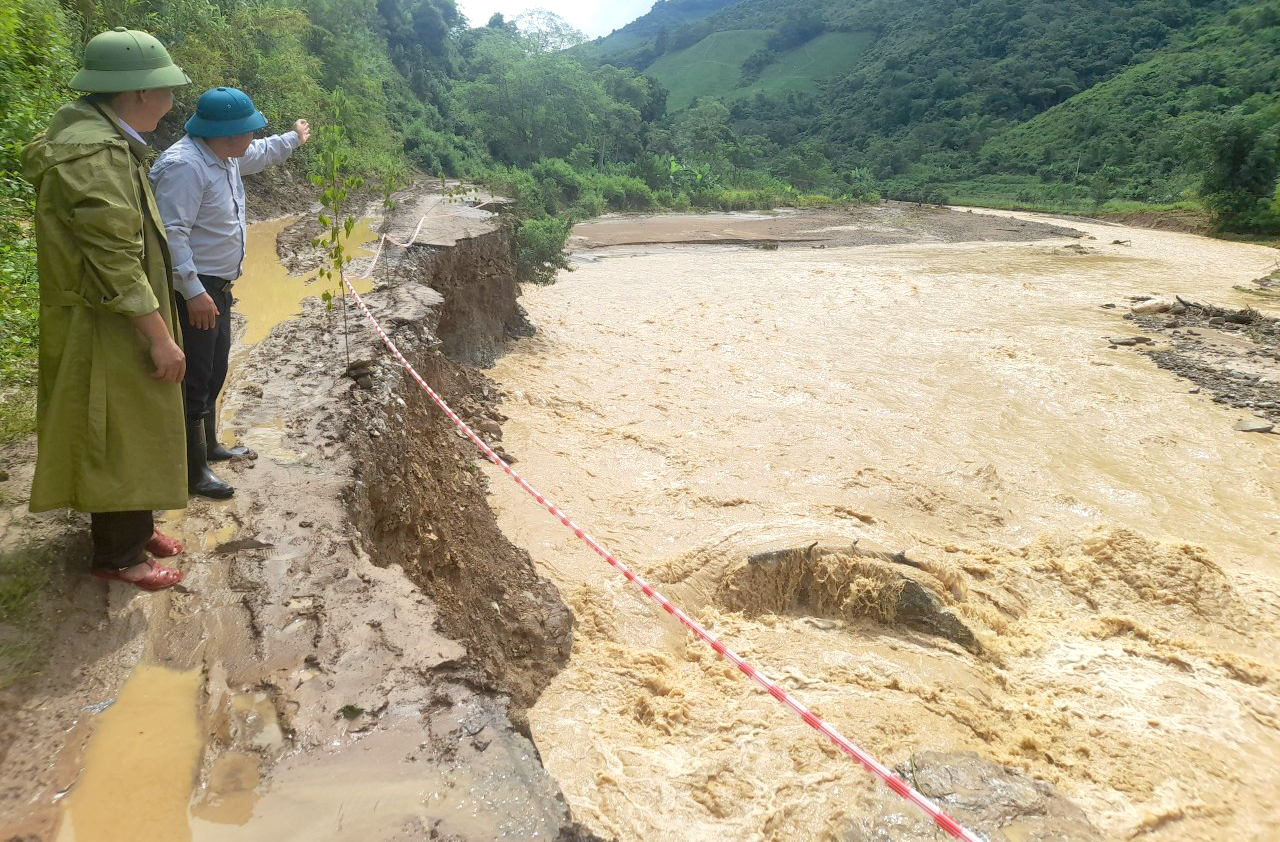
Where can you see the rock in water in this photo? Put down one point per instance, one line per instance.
(1255, 426)
(919, 608)
(1123, 340)
(846, 583)
(1155, 305)
(993, 801)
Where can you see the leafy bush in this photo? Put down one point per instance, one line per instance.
(818, 200)
(19, 292)
(516, 184)
(625, 192)
(539, 248)
(590, 203)
(636, 194)
(36, 58)
(559, 183)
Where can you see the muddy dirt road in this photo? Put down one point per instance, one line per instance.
(326, 671)
(1100, 550)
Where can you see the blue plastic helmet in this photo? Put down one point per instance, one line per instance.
(222, 112)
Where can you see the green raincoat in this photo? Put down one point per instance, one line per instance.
(111, 438)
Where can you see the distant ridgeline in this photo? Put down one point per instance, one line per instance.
(1072, 102)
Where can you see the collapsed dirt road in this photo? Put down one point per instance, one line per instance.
(355, 643)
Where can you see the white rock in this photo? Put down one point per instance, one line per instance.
(1155, 305)
(1255, 426)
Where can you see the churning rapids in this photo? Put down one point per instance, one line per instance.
(1101, 550)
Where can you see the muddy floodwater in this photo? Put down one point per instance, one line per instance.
(1111, 542)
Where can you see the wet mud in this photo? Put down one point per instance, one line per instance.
(886, 224)
(351, 652)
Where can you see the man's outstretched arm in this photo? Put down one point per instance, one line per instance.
(269, 151)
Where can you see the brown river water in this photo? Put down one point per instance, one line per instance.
(1112, 541)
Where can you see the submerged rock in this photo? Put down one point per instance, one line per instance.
(996, 802)
(1255, 426)
(920, 608)
(847, 583)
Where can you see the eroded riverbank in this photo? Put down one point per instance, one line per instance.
(351, 653)
(1105, 534)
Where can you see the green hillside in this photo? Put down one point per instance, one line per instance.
(716, 66)
(710, 68)
(800, 70)
(1146, 125)
(1057, 104)
(646, 29)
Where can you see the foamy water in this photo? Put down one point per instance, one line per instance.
(1109, 538)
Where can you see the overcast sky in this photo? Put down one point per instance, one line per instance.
(591, 16)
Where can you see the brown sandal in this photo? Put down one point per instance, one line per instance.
(158, 577)
(162, 546)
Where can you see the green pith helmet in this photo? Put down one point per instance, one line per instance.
(126, 60)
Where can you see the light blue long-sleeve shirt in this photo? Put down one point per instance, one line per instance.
(201, 198)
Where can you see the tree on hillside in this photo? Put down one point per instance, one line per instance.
(643, 93)
(662, 43)
(797, 31)
(420, 44)
(703, 135)
(1243, 159)
(421, 23)
(804, 166)
(526, 103)
(547, 31)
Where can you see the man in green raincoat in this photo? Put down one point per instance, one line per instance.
(109, 415)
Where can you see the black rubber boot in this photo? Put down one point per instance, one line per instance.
(201, 480)
(214, 448)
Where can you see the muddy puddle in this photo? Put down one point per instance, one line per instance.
(268, 295)
(1097, 548)
(121, 795)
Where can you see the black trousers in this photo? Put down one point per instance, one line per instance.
(119, 538)
(207, 351)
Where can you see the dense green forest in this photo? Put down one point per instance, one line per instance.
(1072, 105)
(1062, 105)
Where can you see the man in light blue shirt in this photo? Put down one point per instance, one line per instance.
(200, 195)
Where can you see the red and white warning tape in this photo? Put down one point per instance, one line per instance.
(895, 783)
